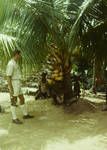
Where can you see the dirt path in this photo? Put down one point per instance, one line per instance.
(76, 127)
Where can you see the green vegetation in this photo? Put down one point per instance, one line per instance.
(74, 31)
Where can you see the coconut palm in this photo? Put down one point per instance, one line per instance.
(65, 25)
(68, 25)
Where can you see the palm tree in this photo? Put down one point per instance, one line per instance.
(59, 23)
(64, 24)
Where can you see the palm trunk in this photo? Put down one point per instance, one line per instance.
(61, 77)
(94, 77)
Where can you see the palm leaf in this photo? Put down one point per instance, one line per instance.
(76, 27)
(7, 40)
(8, 43)
(35, 25)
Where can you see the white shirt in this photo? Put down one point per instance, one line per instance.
(13, 70)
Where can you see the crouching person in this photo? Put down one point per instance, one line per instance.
(13, 73)
(43, 88)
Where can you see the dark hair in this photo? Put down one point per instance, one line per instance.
(44, 74)
(16, 52)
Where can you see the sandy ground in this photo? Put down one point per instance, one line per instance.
(82, 126)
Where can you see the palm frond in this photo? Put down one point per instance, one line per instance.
(73, 38)
(8, 43)
(7, 40)
(41, 21)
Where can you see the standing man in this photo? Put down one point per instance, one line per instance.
(13, 73)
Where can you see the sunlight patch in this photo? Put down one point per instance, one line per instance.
(90, 143)
(43, 118)
(3, 132)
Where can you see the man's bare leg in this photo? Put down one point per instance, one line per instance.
(13, 110)
(22, 104)
(23, 107)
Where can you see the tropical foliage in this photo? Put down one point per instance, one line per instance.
(76, 28)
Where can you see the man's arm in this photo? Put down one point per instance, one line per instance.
(9, 80)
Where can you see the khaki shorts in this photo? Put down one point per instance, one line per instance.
(17, 87)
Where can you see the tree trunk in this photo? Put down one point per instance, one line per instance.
(60, 77)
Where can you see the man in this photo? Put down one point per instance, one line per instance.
(13, 73)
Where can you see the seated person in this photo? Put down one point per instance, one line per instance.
(43, 90)
(76, 87)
